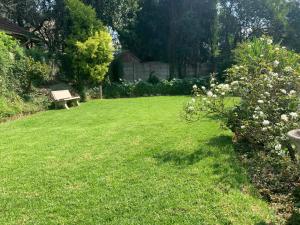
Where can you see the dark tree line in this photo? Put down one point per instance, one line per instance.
(180, 32)
(188, 32)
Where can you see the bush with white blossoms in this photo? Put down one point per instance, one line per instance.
(266, 81)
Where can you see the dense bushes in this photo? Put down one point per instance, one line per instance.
(19, 77)
(142, 88)
(266, 79)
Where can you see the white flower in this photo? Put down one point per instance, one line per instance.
(223, 93)
(283, 91)
(276, 63)
(193, 100)
(264, 129)
(195, 86)
(224, 87)
(267, 93)
(261, 56)
(191, 108)
(288, 69)
(269, 41)
(273, 74)
(266, 122)
(277, 49)
(293, 92)
(260, 101)
(281, 153)
(284, 118)
(255, 117)
(261, 113)
(214, 96)
(234, 83)
(210, 94)
(203, 88)
(212, 85)
(283, 47)
(294, 115)
(278, 147)
(243, 127)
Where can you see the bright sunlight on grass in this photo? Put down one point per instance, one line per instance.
(126, 161)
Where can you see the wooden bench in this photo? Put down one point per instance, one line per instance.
(63, 97)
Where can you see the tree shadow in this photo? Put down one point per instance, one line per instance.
(264, 223)
(225, 167)
(294, 219)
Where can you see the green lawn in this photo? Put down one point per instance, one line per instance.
(127, 161)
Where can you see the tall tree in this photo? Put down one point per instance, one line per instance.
(181, 32)
(80, 23)
(243, 19)
(115, 13)
(293, 30)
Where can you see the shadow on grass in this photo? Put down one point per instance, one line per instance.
(220, 157)
(220, 162)
(182, 158)
(294, 219)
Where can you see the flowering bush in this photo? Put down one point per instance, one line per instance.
(266, 80)
(142, 88)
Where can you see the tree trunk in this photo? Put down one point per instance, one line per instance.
(101, 91)
(292, 153)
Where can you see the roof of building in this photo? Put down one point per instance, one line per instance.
(129, 57)
(12, 28)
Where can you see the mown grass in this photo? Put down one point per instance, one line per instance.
(127, 161)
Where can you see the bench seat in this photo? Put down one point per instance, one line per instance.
(62, 97)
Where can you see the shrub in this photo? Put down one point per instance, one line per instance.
(266, 80)
(153, 79)
(142, 88)
(95, 55)
(19, 75)
(28, 73)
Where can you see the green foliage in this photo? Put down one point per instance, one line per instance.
(117, 14)
(19, 75)
(116, 71)
(293, 28)
(81, 21)
(95, 55)
(153, 79)
(171, 31)
(89, 48)
(28, 72)
(142, 88)
(266, 78)
(10, 51)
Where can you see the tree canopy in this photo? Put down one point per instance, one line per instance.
(180, 32)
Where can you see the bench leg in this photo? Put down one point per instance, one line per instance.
(77, 103)
(65, 105)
